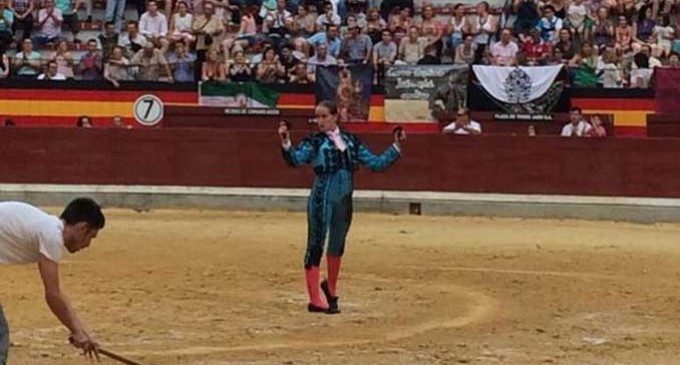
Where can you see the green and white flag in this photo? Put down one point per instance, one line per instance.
(236, 95)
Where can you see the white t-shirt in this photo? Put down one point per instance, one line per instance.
(27, 233)
(473, 125)
(581, 129)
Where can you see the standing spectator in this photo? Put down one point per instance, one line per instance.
(463, 125)
(550, 25)
(269, 69)
(465, 53)
(115, 11)
(504, 52)
(483, 29)
(603, 30)
(412, 48)
(27, 62)
(49, 21)
(52, 73)
(182, 63)
(384, 54)
(577, 126)
(206, 28)
(4, 63)
(117, 67)
(459, 25)
(108, 40)
(213, 69)
(239, 70)
(537, 50)
(375, 25)
(6, 22)
(624, 35)
(69, 13)
(150, 60)
(321, 58)
(330, 37)
(64, 59)
(91, 62)
(180, 26)
(23, 14)
(154, 26)
(132, 42)
(357, 47)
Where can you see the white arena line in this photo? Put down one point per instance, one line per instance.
(413, 196)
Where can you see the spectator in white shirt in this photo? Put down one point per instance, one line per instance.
(577, 126)
(51, 73)
(504, 52)
(131, 41)
(463, 124)
(154, 26)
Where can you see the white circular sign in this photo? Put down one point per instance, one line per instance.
(148, 110)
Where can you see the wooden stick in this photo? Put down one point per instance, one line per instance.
(117, 357)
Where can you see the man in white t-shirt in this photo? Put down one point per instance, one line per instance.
(577, 126)
(463, 124)
(29, 235)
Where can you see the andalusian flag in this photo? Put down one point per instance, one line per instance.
(236, 95)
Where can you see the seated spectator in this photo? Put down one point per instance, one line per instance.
(154, 26)
(400, 22)
(239, 70)
(180, 26)
(550, 25)
(504, 52)
(432, 31)
(304, 22)
(584, 66)
(269, 70)
(458, 26)
(624, 35)
(330, 37)
(465, 53)
(384, 54)
(411, 48)
(213, 69)
(327, 18)
(528, 16)
(150, 60)
(6, 22)
(4, 63)
(608, 67)
(653, 61)
(375, 25)
(603, 30)
(246, 37)
(117, 67)
(673, 61)
(49, 21)
(357, 47)
(132, 42)
(537, 50)
(299, 75)
(577, 14)
(643, 29)
(91, 62)
(182, 63)
(597, 130)
(278, 24)
(108, 40)
(68, 9)
(84, 122)
(52, 73)
(566, 45)
(463, 125)
(288, 61)
(577, 126)
(27, 62)
(665, 34)
(321, 58)
(23, 14)
(641, 74)
(64, 59)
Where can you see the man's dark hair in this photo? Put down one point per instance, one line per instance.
(110, 22)
(576, 109)
(84, 210)
(91, 40)
(9, 123)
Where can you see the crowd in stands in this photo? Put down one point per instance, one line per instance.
(605, 43)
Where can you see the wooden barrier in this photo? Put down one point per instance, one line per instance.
(663, 125)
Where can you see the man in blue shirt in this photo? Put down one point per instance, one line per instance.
(331, 37)
(182, 63)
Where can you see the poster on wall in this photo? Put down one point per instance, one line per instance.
(350, 88)
(422, 93)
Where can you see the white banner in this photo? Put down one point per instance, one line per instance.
(516, 84)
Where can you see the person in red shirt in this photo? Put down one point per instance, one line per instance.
(537, 51)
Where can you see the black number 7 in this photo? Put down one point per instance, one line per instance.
(148, 110)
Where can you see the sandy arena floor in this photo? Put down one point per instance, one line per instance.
(191, 287)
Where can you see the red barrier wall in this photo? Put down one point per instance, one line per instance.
(215, 157)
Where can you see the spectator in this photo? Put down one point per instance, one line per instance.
(270, 69)
(182, 63)
(537, 50)
(6, 22)
(278, 24)
(643, 29)
(23, 14)
(584, 67)
(52, 73)
(375, 25)
(117, 67)
(598, 130)
(566, 45)
(304, 22)
(27, 62)
(154, 26)
(433, 30)
(246, 37)
(550, 25)
(608, 69)
(641, 73)
(603, 30)
(91, 62)
(150, 60)
(531, 131)
(132, 42)
(577, 126)
(560, 8)
(459, 25)
(64, 59)
(68, 9)
(206, 27)
(117, 122)
(384, 54)
(300, 76)
(213, 69)
(330, 38)
(412, 48)
(665, 35)
(321, 58)
(653, 61)
(504, 52)
(577, 13)
(624, 35)
(484, 29)
(527, 15)
(180, 26)
(239, 70)
(400, 22)
(288, 61)
(108, 40)
(465, 53)
(673, 61)
(49, 20)
(115, 10)
(84, 122)
(463, 125)
(4, 63)
(357, 47)
(9, 123)
(329, 17)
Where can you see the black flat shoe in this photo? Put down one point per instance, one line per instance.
(315, 309)
(332, 301)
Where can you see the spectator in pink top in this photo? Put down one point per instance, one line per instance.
(49, 22)
(504, 52)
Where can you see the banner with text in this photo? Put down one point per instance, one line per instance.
(350, 88)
